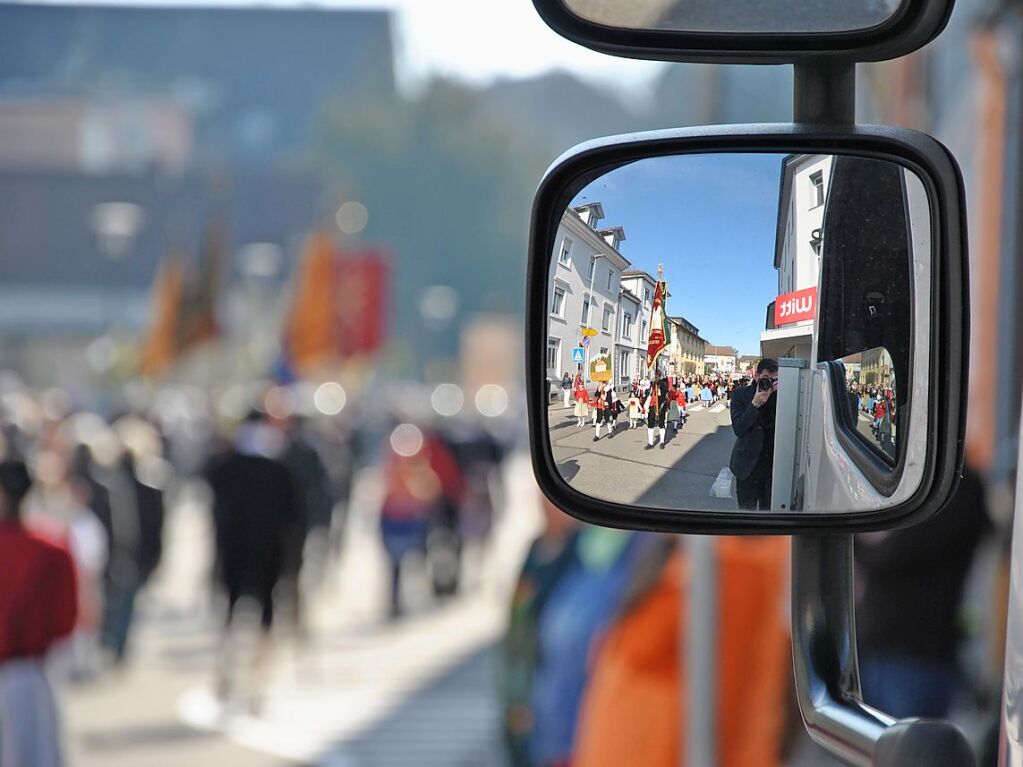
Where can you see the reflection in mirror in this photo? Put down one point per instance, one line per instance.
(873, 400)
(686, 353)
(750, 16)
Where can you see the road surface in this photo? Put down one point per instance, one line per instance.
(690, 472)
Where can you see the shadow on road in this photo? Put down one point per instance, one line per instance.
(699, 464)
(568, 470)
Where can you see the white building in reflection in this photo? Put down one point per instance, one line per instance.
(585, 291)
(788, 329)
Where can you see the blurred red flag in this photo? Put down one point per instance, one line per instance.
(338, 307)
(361, 297)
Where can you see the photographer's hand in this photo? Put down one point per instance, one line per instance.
(763, 395)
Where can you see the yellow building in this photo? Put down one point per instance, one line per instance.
(687, 347)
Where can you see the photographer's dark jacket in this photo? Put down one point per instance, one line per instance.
(754, 431)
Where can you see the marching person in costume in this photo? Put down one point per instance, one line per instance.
(674, 411)
(635, 409)
(607, 401)
(582, 407)
(656, 406)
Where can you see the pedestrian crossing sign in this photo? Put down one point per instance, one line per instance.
(578, 354)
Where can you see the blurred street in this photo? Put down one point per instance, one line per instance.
(355, 691)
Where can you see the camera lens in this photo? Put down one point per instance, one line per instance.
(764, 384)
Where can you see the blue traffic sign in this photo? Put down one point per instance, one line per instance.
(578, 354)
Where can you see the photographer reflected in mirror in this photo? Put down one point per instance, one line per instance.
(753, 409)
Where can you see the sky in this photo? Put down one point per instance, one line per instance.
(475, 41)
(711, 220)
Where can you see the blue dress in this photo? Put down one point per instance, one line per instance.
(579, 610)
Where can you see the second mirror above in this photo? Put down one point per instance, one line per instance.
(747, 16)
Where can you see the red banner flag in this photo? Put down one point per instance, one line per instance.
(794, 307)
(655, 341)
(361, 302)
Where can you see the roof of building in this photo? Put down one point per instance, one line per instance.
(721, 351)
(679, 320)
(630, 294)
(639, 273)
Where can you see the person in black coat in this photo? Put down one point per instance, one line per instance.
(753, 410)
(256, 515)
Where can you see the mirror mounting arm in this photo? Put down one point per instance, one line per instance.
(827, 671)
(825, 92)
(824, 650)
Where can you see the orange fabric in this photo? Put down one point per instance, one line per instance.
(161, 344)
(986, 256)
(633, 713)
(311, 324)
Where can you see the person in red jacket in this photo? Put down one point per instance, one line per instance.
(38, 606)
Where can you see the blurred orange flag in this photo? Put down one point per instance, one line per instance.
(161, 346)
(311, 326)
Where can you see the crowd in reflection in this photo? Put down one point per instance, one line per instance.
(661, 403)
(878, 406)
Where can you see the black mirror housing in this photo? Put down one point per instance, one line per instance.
(947, 371)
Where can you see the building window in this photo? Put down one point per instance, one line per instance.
(566, 251)
(610, 279)
(608, 313)
(585, 319)
(627, 325)
(646, 297)
(558, 304)
(816, 189)
(553, 353)
(592, 267)
(642, 336)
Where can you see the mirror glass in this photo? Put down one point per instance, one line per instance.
(749, 16)
(735, 331)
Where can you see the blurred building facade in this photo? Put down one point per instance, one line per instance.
(252, 81)
(133, 129)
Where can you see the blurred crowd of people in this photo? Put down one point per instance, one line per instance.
(83, 504)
